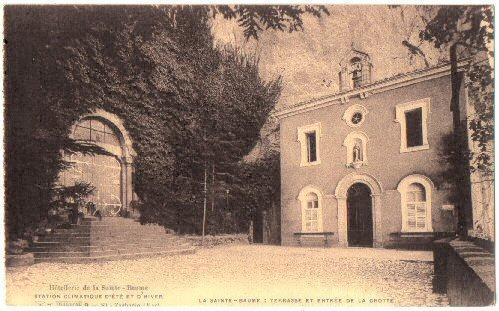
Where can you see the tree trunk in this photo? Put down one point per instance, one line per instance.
(460, 132)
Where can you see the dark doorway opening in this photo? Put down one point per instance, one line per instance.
(258, 227)
(360, 216)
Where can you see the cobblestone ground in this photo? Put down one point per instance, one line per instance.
(242, 275)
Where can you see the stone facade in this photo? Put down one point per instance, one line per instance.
(358, 139)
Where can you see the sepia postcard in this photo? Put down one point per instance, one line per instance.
(244, 155)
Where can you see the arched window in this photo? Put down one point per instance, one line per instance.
(311, 213)
(311, 205)
(415, 192)
(95, 130)
(416, 206)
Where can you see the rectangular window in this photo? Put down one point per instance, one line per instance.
(309, 138)
(414, 127)
(311, 147)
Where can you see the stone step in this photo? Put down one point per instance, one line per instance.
(111, 238)
(171, 252)
(98, 240)
(107, 235)
(62, 246)
(117, 223)
(92, 252)
(94, 236)
(114, 232)
(129, 232)
(103, 226)
(109, 220)
(65, 234)
(113, 223)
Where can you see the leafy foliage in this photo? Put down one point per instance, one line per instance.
(255, 18)
(36, 132)
(463, 25)
(481, 94)
(454, 156)
(187, 105)
(464, 32)
(76, 193)
(467, 31)
(259, 186)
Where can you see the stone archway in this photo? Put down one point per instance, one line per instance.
(341, 197)
(111, 135)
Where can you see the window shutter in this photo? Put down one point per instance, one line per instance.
(421, 215)
(411, 216)
(311, 217)
(416, 216)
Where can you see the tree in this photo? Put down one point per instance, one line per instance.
(257, 187)
(36, 132)
(256, 18)
(188, 105)
(465, 32)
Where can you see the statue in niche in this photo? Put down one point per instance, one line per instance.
(357, 153)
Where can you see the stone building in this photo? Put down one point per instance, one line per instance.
(359, 167)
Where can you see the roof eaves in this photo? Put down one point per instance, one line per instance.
(380, 83)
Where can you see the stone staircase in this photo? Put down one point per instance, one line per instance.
(111, 238)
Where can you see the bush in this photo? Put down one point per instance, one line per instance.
(186, 104)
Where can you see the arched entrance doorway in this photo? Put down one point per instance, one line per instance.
(110, 174)
(344, 192)
(360, 218)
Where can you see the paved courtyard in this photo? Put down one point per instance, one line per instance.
(240, 275)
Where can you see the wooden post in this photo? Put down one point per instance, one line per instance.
(213, 188)
(204, 205)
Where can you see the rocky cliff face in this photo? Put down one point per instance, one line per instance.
(309, 61)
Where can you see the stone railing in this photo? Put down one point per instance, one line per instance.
(465, 271)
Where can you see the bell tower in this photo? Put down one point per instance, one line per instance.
(355, 70)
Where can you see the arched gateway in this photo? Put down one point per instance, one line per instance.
(111, 175)
(359, 210)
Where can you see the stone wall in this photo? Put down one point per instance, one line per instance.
(466, 272)
(215, 240)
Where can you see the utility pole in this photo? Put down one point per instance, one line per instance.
(213, 188)
(204, 204)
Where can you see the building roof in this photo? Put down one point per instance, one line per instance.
(379, 86)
